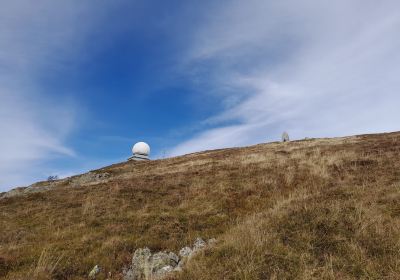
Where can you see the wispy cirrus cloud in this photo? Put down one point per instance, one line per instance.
(37, 39)
(313, 68)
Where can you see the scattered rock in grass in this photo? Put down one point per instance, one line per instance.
(146, 265)
(185, 252)
(199, 244)
(95, 270)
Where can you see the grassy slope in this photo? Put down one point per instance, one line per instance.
(323, 209)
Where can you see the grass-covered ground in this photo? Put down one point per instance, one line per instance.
(312, 209)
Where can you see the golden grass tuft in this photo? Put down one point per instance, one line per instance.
(46, 265)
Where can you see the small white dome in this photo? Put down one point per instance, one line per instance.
(141, 148)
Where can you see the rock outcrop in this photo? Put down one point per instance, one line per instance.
(90, 178)
(87, 179)
(146, 265)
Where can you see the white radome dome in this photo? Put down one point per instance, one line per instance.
(141, 148)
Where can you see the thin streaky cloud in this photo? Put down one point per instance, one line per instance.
(314, 69)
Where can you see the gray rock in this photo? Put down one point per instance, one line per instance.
(163, 259)
(90, 178)
(162, 272)
(146, 265)
(185, 252)
(199, 244)
(128, 274)
(174, 258)
(141, 256)
(141, 266)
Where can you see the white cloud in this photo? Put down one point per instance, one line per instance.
(314, 68)
(36, 39)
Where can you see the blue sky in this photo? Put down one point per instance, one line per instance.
(81, 81)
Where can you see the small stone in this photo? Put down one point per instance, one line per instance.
(199, 244)
(185, 252)
(95, 270)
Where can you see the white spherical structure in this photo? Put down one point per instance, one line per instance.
(141, 148)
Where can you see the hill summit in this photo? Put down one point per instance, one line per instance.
(310, 209)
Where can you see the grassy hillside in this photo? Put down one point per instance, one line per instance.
(312, 209)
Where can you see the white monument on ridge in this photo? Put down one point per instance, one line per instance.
(285, 137)
(141, 151)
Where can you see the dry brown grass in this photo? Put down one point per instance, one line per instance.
(46, 265)
(315, 209)
(339, 233)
